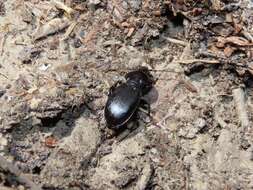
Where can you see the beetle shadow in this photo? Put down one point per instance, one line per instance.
(152, 96)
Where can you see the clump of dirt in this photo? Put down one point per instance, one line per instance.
(58, 61)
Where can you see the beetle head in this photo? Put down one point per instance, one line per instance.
(141, 78)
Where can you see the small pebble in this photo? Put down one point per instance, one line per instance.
(200, 123)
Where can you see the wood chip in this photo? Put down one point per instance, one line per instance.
(130, 32)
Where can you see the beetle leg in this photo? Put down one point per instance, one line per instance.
(132, 129)
(111, 90)
(123, 135)
(146, 106)
(144, 112)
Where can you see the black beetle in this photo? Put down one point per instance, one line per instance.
(125, 98)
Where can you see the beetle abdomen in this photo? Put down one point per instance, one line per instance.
(121, 105)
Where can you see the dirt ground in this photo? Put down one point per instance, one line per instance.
(58, 60)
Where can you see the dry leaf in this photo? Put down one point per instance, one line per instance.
(51, 27)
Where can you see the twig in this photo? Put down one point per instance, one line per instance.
(239, 99)
(4, 75)
(9, 167)
(189, 61)
(175, 41)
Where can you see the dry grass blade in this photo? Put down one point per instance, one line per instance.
(176, 41)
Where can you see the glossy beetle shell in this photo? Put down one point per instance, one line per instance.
(121, 106)
(124, 100)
